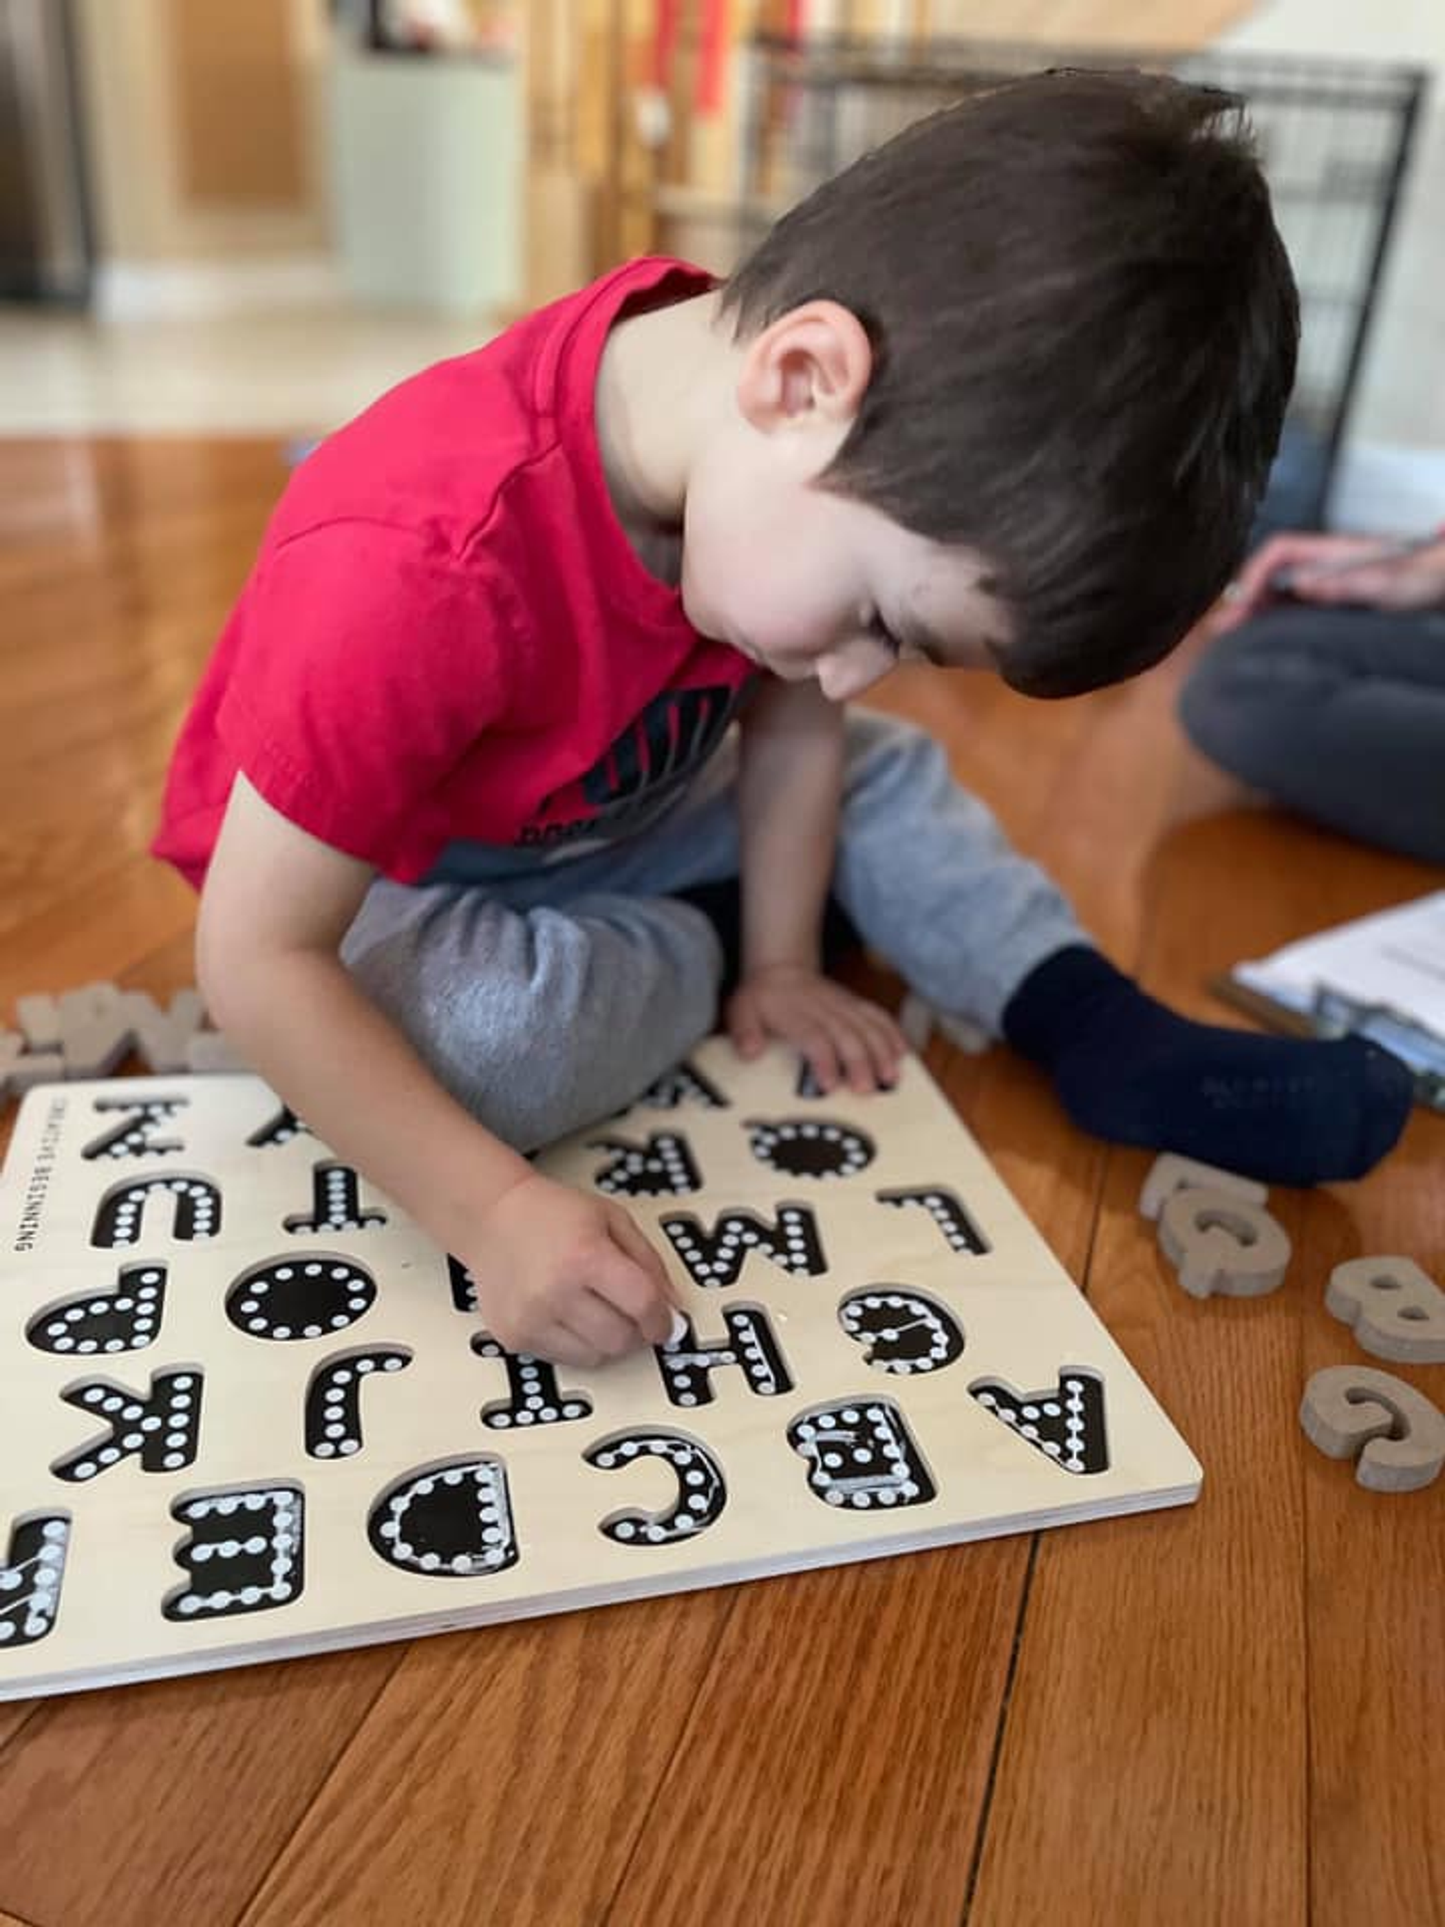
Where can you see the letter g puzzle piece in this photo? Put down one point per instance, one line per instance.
(1349, 1407)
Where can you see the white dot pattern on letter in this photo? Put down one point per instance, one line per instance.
(174, 1401)
(947, 1212)
(810, 1147)
(250, 1545)
(196, 1201)
(333, 1399)
(1066, 1424)
(701, 1493)
(304, 1295)
(861, 1455)
(715, 1258)
(132, 1138)
(31, 1575)
(535, 1398)
(336, 1202)
(684, 1084)
(663, 1167)
(125, 1320)
(449, 1521)
(687, 1363)
(904, 1330)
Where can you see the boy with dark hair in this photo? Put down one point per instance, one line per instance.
(1002, 395)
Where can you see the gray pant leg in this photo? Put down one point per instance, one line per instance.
(538, 1021)
(1338, 714)
(931, 882)
(923, 869)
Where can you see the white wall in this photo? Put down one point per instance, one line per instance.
(1400, 403)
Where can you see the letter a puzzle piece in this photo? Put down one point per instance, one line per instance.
(1347, 1407)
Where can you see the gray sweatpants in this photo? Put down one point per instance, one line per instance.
(1338, 714)
(546, 996)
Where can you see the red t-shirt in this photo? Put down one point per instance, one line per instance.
(447, 634)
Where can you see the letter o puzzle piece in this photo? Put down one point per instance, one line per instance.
(1222, 1243)
(1347, 1407)
(1397, 1312)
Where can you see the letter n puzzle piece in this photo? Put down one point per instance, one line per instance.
(1397, 1312)
(1222, 1243)
(1347, 1407)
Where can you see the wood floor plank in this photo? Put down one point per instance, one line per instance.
(13, 1716)
(168, 1800)
(1157, 1757)
(502, 1776)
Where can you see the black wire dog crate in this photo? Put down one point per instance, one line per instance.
(1334, 138)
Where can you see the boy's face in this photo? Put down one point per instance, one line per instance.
(806, 582)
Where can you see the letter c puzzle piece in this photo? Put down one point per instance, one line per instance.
(1397, 1312)
(1223, 1243)
(1347, 1407)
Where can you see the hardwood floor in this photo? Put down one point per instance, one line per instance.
(1230, 1713)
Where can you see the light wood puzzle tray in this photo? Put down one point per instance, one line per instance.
(251, 1413)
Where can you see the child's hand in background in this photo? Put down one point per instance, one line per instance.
(845, 1038)
(567, 1277)
(1362, 571)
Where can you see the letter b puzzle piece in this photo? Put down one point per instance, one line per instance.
(1397, 1312)
(1223, 1243)
(1347, 1407)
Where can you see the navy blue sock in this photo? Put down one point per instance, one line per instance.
(1287, 1110)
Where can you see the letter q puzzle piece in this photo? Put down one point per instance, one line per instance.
(1347, 1407)
(1397, 1312)
(1223, 1243)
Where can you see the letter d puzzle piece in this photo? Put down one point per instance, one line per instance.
(1403, 1435)
(1397, 1312)
(1223, 1243)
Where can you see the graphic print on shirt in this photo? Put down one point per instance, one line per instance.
(653, 758)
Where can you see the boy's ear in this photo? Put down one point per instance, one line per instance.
(810, 367)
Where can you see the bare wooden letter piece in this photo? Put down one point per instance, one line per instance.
(1171, 1172)
(1349, 1406)
(1223, 1243)
(1397, 1312)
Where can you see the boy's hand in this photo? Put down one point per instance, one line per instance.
(566, 1277)
(845, 1038)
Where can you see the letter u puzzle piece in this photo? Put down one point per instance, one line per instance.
(250, 1412)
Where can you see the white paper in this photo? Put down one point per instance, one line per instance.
(1396, 957)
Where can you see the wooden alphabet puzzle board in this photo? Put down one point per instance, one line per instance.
(247, 1411)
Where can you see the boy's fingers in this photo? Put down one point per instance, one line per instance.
(745, 1030)
(642, 1289)
(600, 1325)
(561, 1346)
